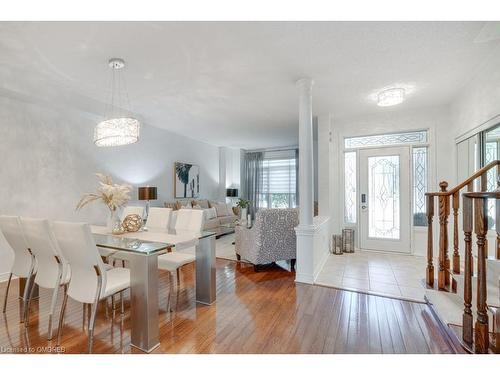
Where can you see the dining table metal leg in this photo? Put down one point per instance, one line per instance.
(144, 308)
(205, 270)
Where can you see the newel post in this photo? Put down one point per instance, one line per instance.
(429, 275)
(456, 254)
(481, 338)
(467, 319)
(444, 261)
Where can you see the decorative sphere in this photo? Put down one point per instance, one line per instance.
(132, 223)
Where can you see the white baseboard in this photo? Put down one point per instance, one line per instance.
(321, 264)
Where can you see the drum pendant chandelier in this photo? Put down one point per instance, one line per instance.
(116, 129)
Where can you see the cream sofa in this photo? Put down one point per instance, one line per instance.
(216, 213)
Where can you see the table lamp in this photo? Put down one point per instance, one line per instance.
(147, 193)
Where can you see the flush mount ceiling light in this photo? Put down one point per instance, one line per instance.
(392, 96)
(117, 129)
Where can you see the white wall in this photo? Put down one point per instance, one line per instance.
(441, 154)
(479, 100)
(229, 170)
(49, 160)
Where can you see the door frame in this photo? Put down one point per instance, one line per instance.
(405, 214)
(339, 139)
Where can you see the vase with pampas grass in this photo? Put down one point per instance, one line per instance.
(112, 195)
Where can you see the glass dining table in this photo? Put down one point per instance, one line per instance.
(142, 250)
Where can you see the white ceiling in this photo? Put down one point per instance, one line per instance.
(232, 83)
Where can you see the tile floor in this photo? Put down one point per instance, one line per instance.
(391, 275)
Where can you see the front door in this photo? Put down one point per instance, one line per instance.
(384, 183)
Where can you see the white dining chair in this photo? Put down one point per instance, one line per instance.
(189, 220)
(24, 265)
(158, 218)
(90, 281)
(189, 223)
(52, 269)
(132, 210)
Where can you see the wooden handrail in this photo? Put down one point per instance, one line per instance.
(475, 220)
(449, 200)
(460, 186)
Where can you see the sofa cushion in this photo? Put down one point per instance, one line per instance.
(230, 210)
(210, 213)
(184, 204)
(221, 208)
(227, 219)
(172, 205)
(203, 203)
(211, 223)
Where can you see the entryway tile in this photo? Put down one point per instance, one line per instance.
(385, 288)
(355, 283)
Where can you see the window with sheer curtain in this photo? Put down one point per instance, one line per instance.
(279, 180)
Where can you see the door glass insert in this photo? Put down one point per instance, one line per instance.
(414, 137)
(384, 197)
(350, 187)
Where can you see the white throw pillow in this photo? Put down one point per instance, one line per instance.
(210, 213)
(185, 205)
(230, 211)
(221, 209)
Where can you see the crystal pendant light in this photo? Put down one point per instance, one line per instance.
(116, 129)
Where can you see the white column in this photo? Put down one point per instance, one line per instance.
(305, 232)
(306, 167)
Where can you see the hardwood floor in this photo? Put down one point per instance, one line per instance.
(263, 312)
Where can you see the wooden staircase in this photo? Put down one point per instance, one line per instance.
(468, 297)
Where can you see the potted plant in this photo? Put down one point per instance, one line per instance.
(112, 195)
(243, 204)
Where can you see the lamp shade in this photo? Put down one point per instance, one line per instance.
(231, 192)
(147, 193)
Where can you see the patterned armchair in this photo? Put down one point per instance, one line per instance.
(271, 238)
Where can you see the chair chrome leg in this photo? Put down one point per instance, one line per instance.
(171, 290)
(26, 295)
(91, 326)
(61, 316)
(6, 293)
(122, 308)
(52, 308)
(28, 305)
(84, 315)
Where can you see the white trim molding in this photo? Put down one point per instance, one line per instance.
(313, 248)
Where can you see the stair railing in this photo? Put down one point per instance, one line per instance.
(450, 200)
(475, 217)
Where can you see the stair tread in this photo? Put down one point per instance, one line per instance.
(448, 306)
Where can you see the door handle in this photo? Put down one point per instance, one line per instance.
(364, 205)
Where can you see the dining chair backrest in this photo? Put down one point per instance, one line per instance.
(189, 220)
(43, 245)
(80, 251)
(14, 235)
(158, 218)
(132, 210)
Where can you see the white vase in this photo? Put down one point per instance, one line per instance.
(244, 212)
(112, 220)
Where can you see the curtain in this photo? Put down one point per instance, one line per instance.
(252, 179)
